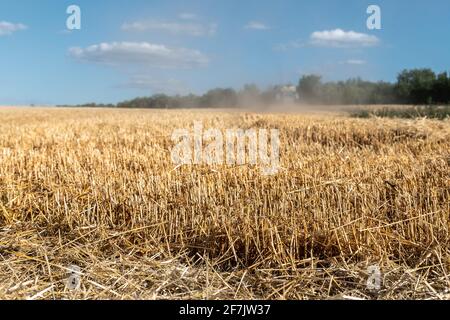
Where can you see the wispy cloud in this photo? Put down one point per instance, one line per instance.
(187, 16)
(354, 62)
(143, 54)
(256, 25)
(339, 38)
(289, 45)
(8, 28)
(195, 29)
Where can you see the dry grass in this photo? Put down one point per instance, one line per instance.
(96, 188)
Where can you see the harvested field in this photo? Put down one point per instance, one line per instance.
(96, 188)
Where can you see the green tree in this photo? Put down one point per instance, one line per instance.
(416, 86)
(441, 89)
(309, 88)
(220, 98)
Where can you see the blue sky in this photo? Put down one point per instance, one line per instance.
(140, 47)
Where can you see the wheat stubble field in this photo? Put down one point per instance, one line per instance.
(97, 189)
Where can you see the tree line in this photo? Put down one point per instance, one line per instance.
(415, 87)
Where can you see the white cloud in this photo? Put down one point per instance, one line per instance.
(354, 62)
(143, 54)
(187, 16)
(340, 38)
(174, 28)
(8, 28)
(256, 25)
